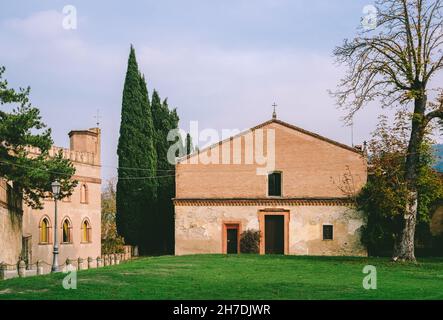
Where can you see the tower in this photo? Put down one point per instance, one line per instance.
(86, 141)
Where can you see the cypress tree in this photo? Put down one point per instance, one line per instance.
(164, 121)
(136, 188)
(169, 228)
(189, 147)
(149, 222)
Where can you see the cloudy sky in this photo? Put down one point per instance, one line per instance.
(222, 63)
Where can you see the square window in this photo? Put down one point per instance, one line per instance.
(328, 232)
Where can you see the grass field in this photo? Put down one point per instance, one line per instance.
(238, 277)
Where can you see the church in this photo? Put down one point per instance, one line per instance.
(28, 234)
(301, 204)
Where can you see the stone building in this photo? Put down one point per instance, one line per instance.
(11, 223)
(301, 206)
(79, 216)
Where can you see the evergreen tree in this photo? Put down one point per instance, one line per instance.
(164, 121)
(21, 129)
(189, 146)
(149, 222)
(136, 187)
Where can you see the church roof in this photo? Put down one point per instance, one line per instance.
(284, 124)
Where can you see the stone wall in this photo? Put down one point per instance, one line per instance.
(199, 229)
(10, 226)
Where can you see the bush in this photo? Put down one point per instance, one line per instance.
(250, 241)
(113, 245)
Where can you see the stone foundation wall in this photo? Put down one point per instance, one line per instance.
(199, 229)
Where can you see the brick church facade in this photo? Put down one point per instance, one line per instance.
(300, 206)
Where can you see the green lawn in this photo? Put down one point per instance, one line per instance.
(239, 277)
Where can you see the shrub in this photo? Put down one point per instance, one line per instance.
(250, 241)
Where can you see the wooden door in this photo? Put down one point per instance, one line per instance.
(232, 240)
(274, 234)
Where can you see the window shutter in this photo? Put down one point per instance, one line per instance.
(328, 232)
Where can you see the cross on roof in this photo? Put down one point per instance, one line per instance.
(274, 114)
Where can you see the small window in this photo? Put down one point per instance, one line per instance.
(328, 232)
(274, 184)
(66, 232)
(44, 230)
(86, 231)
(83, 194)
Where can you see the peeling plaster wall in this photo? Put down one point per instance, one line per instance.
(199, 229)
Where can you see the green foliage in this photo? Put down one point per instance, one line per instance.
(189, 146)
(439, 154)
(165, 120)
(250, 241)
(136, 189)
(383, 199)
(146, 185)
(23, 129)
(111, 241)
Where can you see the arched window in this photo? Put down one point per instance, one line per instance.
(66, 231)
(83, 194)
(86, 231)
(44, 230)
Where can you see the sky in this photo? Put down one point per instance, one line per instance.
(221, 63)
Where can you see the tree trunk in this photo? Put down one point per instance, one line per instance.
(404, 251)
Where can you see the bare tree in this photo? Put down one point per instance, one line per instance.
(394, 64)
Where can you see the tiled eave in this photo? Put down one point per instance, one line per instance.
(265, 202)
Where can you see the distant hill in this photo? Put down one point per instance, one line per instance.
(439, 155)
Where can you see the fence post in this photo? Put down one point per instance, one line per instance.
(80, 263)
(39, 267)
(22, 269)
(69, 266)
(3, 268)
(90, 265)
(99, 262)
